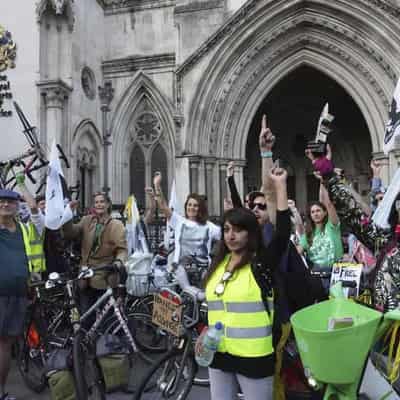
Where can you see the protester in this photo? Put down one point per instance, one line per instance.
(322, 241)
(194, 235)
(242, 274)
(54, 243)
(41, 203)
(103, 242)
(21, 254)
(383, 242)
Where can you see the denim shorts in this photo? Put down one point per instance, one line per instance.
(12, 315)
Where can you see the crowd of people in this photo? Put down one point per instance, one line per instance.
(264, 262)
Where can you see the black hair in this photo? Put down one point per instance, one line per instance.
(244, 219)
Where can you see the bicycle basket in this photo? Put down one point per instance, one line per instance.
(138, 268)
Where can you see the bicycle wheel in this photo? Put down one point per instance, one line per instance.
(143, 305)
(30, 366)
(148, 336)
(170, 378)
(89, 384)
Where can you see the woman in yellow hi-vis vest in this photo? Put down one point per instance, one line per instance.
(240, 294)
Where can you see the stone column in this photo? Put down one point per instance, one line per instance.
(55, 94)
(182, 178)
(239, 177)
(389, 166)
(212, 186)
(201, 188)
(106, 94)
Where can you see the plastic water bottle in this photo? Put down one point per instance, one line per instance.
(209, 345)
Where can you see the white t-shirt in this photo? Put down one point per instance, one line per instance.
(192, 238)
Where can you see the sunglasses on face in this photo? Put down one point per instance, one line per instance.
(220, 288)
(260, 206)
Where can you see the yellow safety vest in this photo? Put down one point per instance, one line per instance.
(33, 248)
(247, 325)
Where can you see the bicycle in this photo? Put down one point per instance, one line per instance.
(46, 321)
(86, 370)
(173, 375)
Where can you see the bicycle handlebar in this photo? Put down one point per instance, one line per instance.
(85, 273)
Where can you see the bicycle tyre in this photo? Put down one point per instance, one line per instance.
(148, 336)
(159, 380)
(89, 383)
(31, 368)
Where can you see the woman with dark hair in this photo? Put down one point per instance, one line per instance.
(322, 240)
(241, 291)
(194, 234)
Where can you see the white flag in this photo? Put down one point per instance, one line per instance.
(382, 213)
(57, 214)
(135, 236)
(393, 125)
(173, 205)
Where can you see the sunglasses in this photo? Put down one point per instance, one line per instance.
(220, 288)
(260, 206)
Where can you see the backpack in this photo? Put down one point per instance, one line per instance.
(114, 362)
(59, 375)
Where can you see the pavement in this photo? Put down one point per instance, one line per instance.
(17, 388)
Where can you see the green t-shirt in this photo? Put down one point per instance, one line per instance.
(326, 247)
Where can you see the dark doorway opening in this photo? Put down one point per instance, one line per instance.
(293, 108)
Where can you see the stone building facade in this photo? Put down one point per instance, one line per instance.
(191, 79)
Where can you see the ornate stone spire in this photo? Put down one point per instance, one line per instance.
(59, 7)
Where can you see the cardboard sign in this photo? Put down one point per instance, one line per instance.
(347, 273)
(167, 315)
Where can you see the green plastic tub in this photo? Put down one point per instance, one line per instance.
(336, 356)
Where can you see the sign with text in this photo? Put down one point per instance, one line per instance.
(167, 314)
(350, 275)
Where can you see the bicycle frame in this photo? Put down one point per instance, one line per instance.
(111, 303)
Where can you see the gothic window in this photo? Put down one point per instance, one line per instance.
(148, 154)
(87, 167)
(138, 171)
(159, 163)
(148, 128)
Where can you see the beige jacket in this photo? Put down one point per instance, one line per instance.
(112, 245)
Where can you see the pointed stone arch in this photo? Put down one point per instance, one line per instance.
(346, 41)
(142, 94)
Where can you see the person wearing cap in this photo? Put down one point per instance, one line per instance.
(20, 255)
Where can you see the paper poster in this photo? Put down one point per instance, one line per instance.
(350, 275)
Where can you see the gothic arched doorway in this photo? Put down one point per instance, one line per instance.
(293, 107)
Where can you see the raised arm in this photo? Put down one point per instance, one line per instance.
(296, 217)
(37, 217)
(280, 240)
(266, 143)
(151, 210)
(235, 197)
(160, 199)
(326, 201)
(353, 216)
